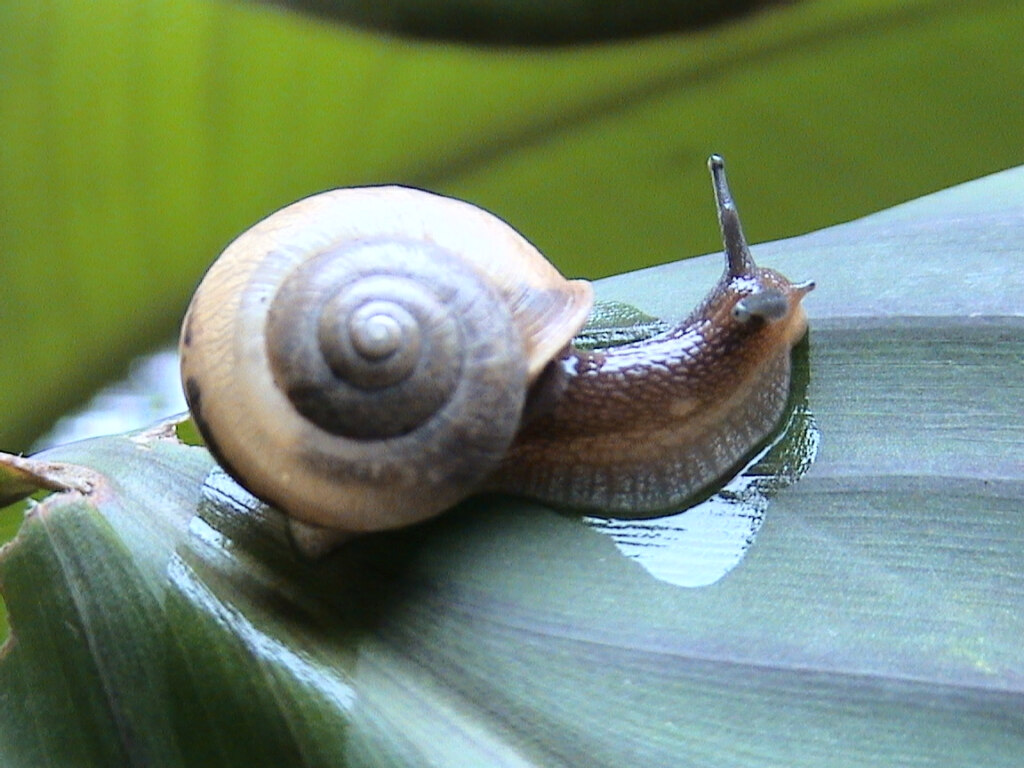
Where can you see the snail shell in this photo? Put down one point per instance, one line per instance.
(361, 357)
(366, 358)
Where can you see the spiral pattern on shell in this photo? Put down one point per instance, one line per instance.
(377, 339)
(362, 357)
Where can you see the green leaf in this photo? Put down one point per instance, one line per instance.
(162, 617)
(526, 22)
(137, 138)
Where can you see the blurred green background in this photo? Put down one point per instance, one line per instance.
(137, 138)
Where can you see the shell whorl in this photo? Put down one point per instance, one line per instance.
(382, 340)
(375, 338)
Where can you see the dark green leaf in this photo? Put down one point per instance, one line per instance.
(162, 618)
(526, 22)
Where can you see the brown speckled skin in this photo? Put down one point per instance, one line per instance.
(642, 427)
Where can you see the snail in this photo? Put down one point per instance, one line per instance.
(365, 358)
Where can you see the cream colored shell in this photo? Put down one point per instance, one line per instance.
(283, 457)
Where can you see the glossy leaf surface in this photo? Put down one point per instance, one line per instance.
(875, 620)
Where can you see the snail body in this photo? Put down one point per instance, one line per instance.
(367, 357)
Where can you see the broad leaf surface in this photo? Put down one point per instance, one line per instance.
(162, 618)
